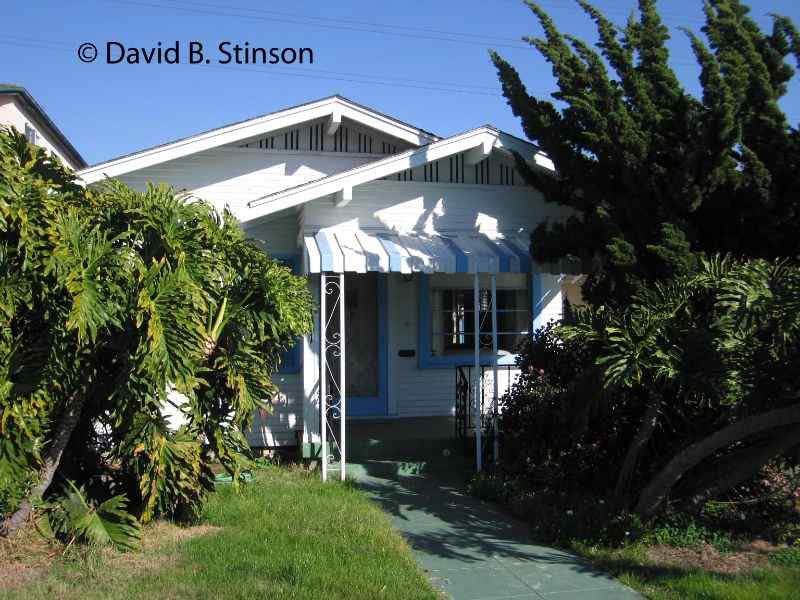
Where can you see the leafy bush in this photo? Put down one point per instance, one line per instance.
(686, 533)
(114, 302)
(789, 533)
(172, 474)
(550, 437)
(788, 557)
(684, 362)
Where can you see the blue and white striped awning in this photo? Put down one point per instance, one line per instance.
(355, 251)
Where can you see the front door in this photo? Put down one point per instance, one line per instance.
(365, 341)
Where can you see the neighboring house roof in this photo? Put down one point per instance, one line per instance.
(333, 107)
(476, 143)
(39, 114)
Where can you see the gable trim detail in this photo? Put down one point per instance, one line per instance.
(334, 107)
(482, 140)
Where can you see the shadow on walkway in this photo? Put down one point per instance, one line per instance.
(472, 550)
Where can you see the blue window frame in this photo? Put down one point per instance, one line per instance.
(427, 360)
(291, 359)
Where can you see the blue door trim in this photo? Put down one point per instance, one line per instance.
(292, 358)
(377, 406)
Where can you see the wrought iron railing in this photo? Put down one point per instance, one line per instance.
(465, 404)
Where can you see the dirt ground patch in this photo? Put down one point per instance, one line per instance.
(24, 557)
(16, 574)
(747, 558)
(155, 536)
(29, 555)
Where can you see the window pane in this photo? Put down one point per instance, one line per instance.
(453, 320)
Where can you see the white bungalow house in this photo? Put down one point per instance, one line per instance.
(416, 229)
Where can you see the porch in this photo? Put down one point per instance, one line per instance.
(416, 339)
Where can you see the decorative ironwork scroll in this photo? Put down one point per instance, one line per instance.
(332, 382)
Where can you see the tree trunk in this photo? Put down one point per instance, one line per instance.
(643, 435)
(659, 486)
(740, 467)
(52, 459)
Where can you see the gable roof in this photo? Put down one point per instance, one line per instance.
(28, 101)
(478, 142)
(234, 132)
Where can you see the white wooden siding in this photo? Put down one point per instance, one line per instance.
(551, 303)
(278, 236)
(421, 207)
(278, 427)
(286, 418)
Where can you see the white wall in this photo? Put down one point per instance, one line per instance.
(12, 113)
(278, 236)
(421, 207)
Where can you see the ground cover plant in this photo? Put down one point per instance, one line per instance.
(113, 304)
(284, 535)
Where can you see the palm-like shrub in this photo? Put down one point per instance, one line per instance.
(676, 399)
(110, 299)
(717, 352)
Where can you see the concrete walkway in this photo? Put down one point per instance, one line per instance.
(471, 550)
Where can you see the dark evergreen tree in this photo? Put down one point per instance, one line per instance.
(654, 174)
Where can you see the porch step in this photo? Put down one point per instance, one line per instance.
(457, 469)
(409, 449)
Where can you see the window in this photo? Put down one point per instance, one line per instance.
(453, 320)
(30, 133)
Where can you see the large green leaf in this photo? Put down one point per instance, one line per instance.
(108, 524)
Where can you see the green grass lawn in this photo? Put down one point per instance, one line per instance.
(659, 582)
(286, 535)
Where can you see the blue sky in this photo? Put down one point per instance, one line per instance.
(423, 77)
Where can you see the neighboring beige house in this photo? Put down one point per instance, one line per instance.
(19, 109)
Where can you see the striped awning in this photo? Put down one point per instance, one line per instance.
(355, 251)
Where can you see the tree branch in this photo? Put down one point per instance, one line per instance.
(659, 486)
(52, 459)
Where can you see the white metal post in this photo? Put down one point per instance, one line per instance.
(323, 373)
(496, 442)
(342, 381)
(476, 380)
